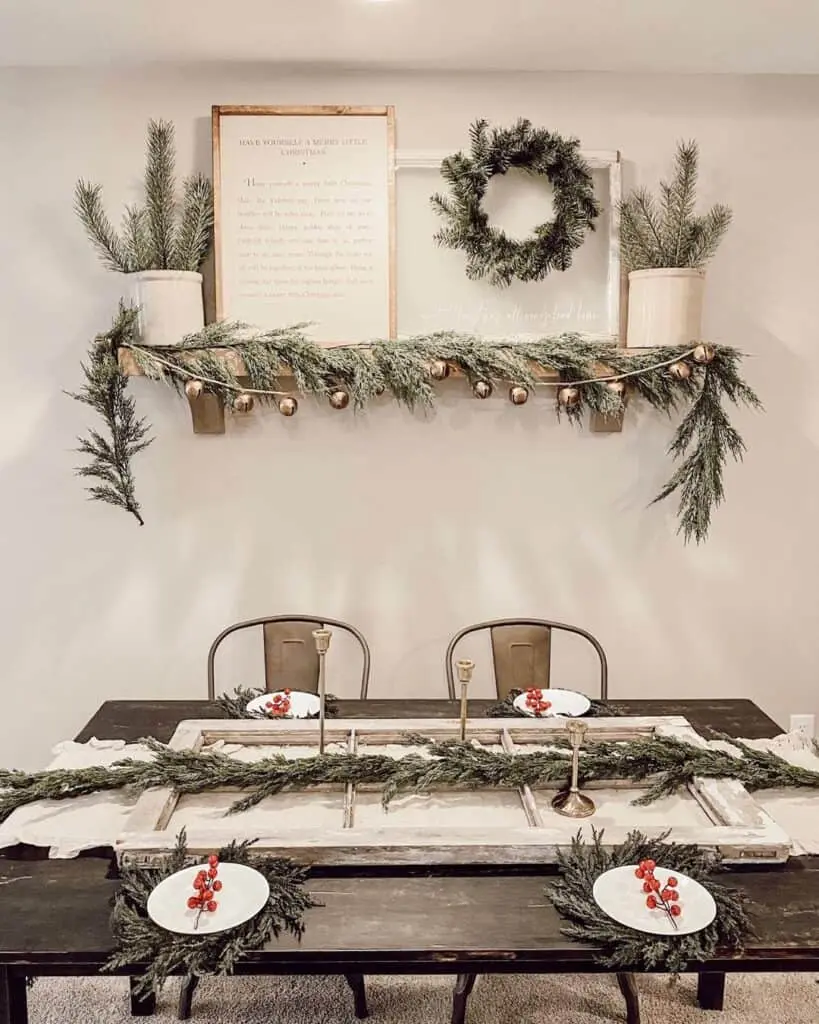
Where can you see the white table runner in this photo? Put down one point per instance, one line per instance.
(67, 827)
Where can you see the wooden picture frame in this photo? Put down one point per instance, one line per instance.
(338, 826)
(224, 222)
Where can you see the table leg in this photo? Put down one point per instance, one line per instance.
(143, 1004)
(13, 998)
(711, 990)
(186, 997)
(628, 986)
(356, 983)
(463, 988)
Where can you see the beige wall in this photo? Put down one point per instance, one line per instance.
(409, 527)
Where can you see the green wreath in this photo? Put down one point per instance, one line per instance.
(489, 251)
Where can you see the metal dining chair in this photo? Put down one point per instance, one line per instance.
(290, 651)
(522, 654)
(522, 658)
(290, 658)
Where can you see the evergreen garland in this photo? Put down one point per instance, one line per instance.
(105, 391)
(622, 947)
(489, 251)
(234, 705)
(701, 446)
(663, 765)
(506, 708)
(141, 941)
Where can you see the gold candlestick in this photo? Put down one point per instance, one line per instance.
(322, 640)
(465, 670)
(572, 802)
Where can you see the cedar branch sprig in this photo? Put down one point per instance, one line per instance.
(105, 391)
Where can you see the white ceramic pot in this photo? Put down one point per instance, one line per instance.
(170, 305)
(665, 307)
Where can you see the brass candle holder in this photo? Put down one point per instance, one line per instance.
(322, 641)
(571, 802)
(465, 670)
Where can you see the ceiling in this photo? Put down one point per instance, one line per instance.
(676, 36)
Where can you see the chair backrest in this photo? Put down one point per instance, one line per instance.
(522, 654)
(290, 657)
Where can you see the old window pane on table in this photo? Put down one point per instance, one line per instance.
(338, 825)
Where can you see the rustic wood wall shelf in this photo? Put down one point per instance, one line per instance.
(208, 414)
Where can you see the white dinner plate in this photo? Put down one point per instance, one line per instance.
(302, 705)
(564, 702)
(243, 894)
(619, 893)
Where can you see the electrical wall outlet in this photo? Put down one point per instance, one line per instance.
(805, 724)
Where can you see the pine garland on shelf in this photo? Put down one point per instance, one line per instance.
(663, 764)
(140, 941)
(622, 947)
(235, 363)
(234, 705)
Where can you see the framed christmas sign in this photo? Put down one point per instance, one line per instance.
(304, 201)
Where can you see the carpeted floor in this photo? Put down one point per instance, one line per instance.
(525, 999)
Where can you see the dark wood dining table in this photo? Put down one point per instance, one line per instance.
(54, 914)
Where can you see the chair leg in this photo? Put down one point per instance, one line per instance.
(143, 1004)
(711, 990)
(356, 983)
(628, 986)
(186, 997)
(463, 987)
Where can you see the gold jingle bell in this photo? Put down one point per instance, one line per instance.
(518, 395)
(617, 387)
(194, 388)
(704, 354)
(569, 397)
(288, 406)
(482, 388)
(680, 370)
(339, 399)
(439, 369)
(243, 402)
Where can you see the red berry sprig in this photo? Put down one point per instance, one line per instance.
(659, 897)
(279, 706)
(207, 885)
(535, 702)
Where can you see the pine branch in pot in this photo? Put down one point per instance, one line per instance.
(665, 247)
(161, 245)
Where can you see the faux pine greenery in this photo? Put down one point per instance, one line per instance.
(105, 390)
(163, 234)
(664, 230)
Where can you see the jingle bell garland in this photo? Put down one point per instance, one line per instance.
(141, 941)
(489, 251)
(624, 948)
(407, 370)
